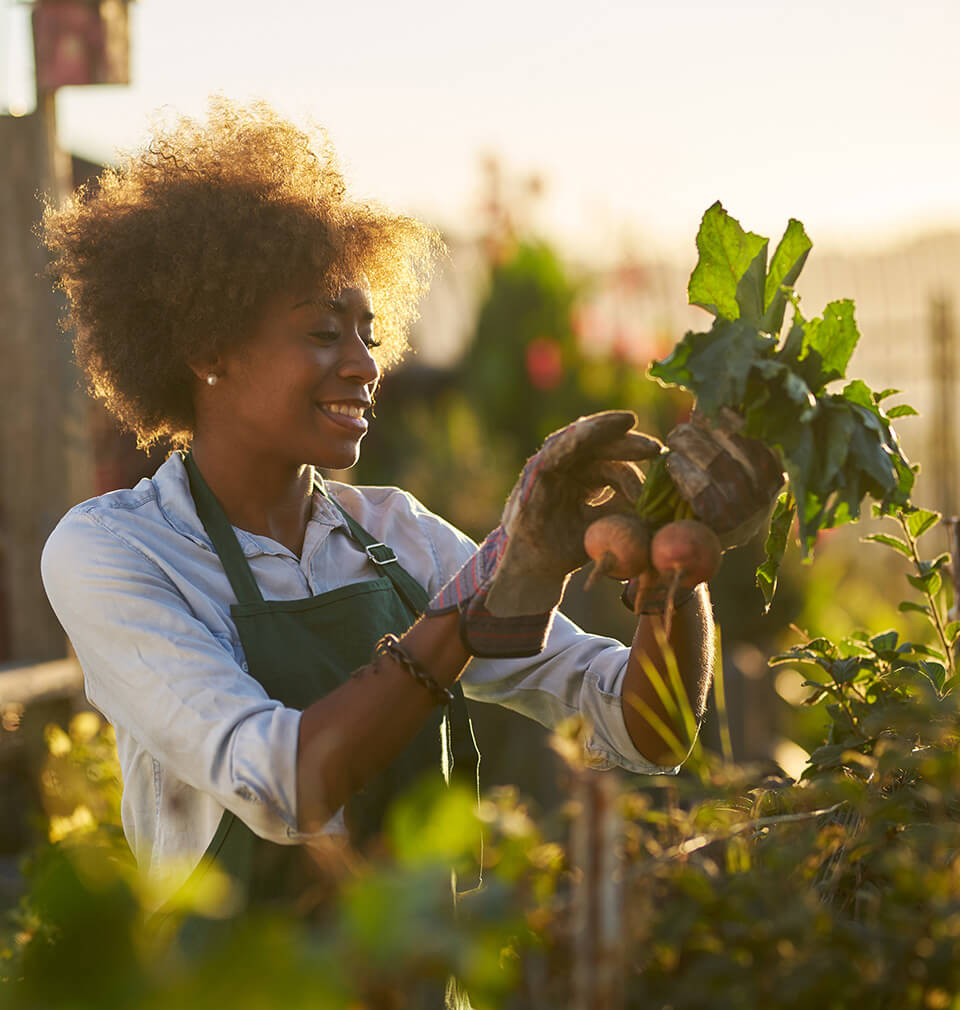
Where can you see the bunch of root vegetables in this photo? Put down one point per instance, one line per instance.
(765, 410)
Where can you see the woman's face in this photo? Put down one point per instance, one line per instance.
(298, 388)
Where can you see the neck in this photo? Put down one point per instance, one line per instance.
(259, 494)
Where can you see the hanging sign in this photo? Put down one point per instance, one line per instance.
(81, 42)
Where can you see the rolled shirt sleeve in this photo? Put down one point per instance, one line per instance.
(154, 669)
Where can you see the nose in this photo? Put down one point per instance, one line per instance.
(358, 363)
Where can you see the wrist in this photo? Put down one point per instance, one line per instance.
(650, 597)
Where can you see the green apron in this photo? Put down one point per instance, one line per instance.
(300, 650)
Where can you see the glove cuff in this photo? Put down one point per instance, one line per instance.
(482, 633)
(491, 637)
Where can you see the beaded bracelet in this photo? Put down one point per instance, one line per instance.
(390, 646)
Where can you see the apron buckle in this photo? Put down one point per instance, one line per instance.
(388, 559)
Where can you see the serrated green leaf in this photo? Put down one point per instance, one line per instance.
(831, 339)
(837, 426)
(952, 630)
(774, 547)
(921, 520)
(673, 370)
(720, 364)
(750, 289)
(871, 456)
(785, 266)
(895, 542)
(883, 394)
(903, 410)
(859, 392)
(726, 253)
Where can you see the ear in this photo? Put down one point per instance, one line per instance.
(202, 367)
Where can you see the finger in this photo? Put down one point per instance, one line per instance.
(624, 478)
(634, 445)
(581, 438)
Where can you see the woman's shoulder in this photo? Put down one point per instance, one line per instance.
(394, 515)
(375, 498)
(152, 515)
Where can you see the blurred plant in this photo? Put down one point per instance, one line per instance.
(841, 889)
(740, 890)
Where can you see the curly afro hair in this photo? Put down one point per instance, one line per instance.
(171, 257)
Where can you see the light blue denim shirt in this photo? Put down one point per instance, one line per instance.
(136, 584)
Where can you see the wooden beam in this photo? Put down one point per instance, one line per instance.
(25, 685)
(44, 460)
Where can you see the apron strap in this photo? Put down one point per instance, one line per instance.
(221, 533)
(411, 592)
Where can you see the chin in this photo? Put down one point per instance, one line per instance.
(337, 460)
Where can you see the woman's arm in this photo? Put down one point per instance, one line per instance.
(691, 641)
(358, 729)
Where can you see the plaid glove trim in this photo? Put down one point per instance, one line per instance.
(481, 632)
(492, 637)
(473, 577)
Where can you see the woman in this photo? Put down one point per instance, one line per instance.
(230, 299)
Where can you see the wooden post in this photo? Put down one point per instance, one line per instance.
(943, 441)
(44, 460)
(597, 927)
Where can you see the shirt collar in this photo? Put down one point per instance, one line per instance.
(176, 503)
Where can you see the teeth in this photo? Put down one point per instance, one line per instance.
(343, 408)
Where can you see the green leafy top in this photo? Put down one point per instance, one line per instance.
(836, 447)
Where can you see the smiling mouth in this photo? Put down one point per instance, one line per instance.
(346, 415)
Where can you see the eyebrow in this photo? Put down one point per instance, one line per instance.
(337, 305)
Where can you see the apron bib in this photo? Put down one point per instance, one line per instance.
(300, 650)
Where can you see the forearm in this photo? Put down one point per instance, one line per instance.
(358, 729)
(691, 641)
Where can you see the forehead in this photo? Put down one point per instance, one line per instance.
(355, 301)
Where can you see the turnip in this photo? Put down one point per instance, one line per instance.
(619, 546)
(686, 551)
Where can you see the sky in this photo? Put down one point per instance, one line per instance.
(637, 115)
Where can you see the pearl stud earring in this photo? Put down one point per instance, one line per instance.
(211, 379)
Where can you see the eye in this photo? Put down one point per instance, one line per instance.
(371, 341)
(328, 336)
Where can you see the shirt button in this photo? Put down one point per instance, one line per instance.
(244, 667)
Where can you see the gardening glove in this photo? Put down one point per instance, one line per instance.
(507, 592)
(730, 481)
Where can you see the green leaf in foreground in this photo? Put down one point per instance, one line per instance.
(714, 365)
(788, 259)
(836, 448)
(830, 342)
(726, 254)
(776, 544)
